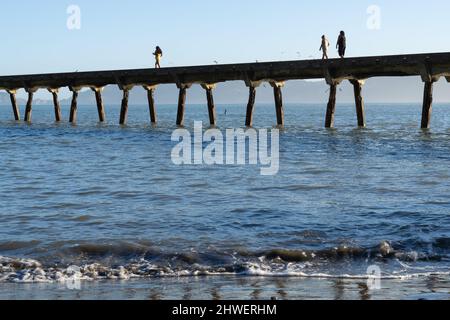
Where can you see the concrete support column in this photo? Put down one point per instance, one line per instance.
(333, 82)
(429, 79)
(151, 102)
(359, 102)
(57, 108)
(99, 101)
(74, 104)
(182, 103)
(427, 104)
(124, 107)
(15, 108)
(211, 107)
(29, 107)
(250, 106)
(278, 101)
(331, 107)
(252, 85)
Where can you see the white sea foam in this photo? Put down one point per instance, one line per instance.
(31, 271)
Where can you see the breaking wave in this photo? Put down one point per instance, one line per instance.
(125, 261)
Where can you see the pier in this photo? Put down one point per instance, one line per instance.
(430, 67)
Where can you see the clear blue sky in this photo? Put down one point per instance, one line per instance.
(122, 34)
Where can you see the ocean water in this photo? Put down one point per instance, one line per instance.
(103, 205)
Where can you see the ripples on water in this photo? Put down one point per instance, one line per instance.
(109, 199)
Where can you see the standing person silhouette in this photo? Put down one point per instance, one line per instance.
(324, 47)
(158, 55)
(341, 44)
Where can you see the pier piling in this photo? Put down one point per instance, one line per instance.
(211, 107)
(250, 106)
(29, 107)
(181, 103)
(124, 107)
(15, 108)
(278, 101)
(99, 101)
(331, 107)
(151, 103)
(57, 108)
(359, 102)
(74, 105)
(427, 104)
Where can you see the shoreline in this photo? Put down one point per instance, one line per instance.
(233, 288)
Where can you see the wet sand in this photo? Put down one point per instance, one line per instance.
(234, 288)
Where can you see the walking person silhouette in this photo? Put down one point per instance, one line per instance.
(341, 44)
(324, 47)
(158, 55)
